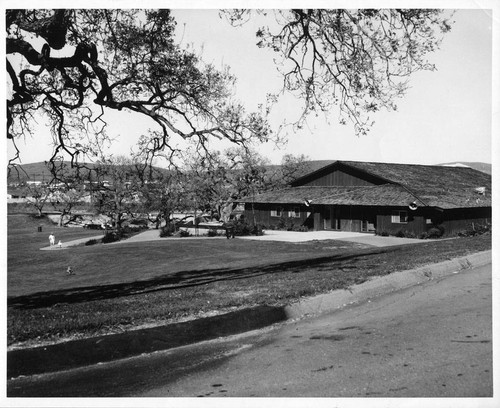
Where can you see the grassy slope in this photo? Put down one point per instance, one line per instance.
(122, 286)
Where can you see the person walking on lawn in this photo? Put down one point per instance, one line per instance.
(52, 239)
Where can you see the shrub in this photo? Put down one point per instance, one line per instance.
(258, 230)
(423, 235)
(435, 232)
(382, 233)
(110, 237)
(475, 230)
(184, 233)
(167, 231)
(241, 228)
(212, 233)
(91, 242)
(281, 223)
(400, 234)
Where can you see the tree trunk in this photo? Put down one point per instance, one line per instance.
(63, 213)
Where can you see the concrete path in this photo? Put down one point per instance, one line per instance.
(65, 245)
(269, 235)
(359, 237)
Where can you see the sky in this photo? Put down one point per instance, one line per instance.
(446, 115)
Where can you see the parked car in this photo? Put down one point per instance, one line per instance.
(137, 224)
(93, 226)
(189, 221)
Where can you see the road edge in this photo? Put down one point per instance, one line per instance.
(381, 285)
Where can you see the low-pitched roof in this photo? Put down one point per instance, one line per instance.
(383, 195)
(434, 186)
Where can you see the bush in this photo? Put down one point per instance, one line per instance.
(281, 225)
(475, 230)
(212, 233)
(435, 232)
(184, 233)
(258, 230)
(400, 234)
(423, 235)
(167, 231)
(382, 233)
(110, 237)
(241, 228)
(91, 242)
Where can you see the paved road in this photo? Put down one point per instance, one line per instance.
(431, 340)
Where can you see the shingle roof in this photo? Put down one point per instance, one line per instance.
(421, 177)
(383, 195)
(435, 186)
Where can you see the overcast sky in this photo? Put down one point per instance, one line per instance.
(444, 117)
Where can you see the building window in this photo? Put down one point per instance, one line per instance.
(276, 213)
(294, 213)
(428, 221)
(399, 217)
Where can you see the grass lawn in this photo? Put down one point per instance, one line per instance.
(118, 287)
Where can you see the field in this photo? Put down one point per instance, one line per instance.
(117, 287)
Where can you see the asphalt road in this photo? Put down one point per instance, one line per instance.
(431, 340)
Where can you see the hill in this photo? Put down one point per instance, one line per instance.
(480, 166)
(40, 171)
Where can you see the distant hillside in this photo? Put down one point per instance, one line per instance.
(40, 172)
(480, 166)
(33, 171)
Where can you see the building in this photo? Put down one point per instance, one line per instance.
(378, 197)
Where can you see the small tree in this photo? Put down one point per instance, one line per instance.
(216, 180)
(67, 195)
(162, 194)
(37, 196)
(117, 189)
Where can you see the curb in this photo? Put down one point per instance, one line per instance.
(85, 352)
(382, 285)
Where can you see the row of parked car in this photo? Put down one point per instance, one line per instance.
(202, 221)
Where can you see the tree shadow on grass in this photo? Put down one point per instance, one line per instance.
(183, 279)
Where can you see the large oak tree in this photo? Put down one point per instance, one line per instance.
(351, 62)
(128, 60)
(124, 60)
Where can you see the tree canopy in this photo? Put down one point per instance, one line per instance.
(70, 66)
(121, 60)
(356, 60)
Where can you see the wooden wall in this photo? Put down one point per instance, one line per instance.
(453, 221)
(338, 178)
(261, 214)
(350, 218)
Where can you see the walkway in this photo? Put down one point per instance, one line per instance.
(358, 237)
(269, 235)
(65, 245)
